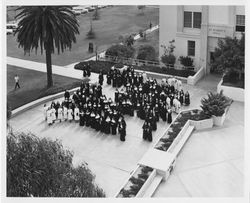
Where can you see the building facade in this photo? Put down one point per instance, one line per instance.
(196, 29)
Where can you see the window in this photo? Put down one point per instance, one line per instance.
(187, 19)
(191, 48)
(192, 19)
(197, 20)
(240, 23)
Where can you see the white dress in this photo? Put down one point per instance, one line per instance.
(76, 114)
(144, 76)
(49, 116)
(178, 107)
(65, 113)
(60, 114)
(179, 85)
(70, 114)
(168, 101)
(53, 114)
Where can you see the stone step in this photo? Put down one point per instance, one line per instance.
(153, 186)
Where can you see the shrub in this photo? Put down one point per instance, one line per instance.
(119, 65)
(215, 104)
(186, 61)
(40, 167)
(168, 57)
(96, 66)
(119, 50)
(146, 52)
(129, 40)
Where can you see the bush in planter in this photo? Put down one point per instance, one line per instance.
(215, 104)
(168, 57)
(146, 52)
(186, 61)
(96, 66)
(119, 50)
(119, 65)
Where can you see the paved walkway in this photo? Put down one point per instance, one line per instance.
(210, 165)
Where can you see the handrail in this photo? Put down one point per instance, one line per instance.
(139, 62)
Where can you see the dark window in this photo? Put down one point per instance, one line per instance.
(187, 19)
(197, 20)
(191, 48)
(240, 23)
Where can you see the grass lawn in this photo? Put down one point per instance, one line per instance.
(113, 22)
(33, 85)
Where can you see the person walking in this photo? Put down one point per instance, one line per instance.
(16, 81)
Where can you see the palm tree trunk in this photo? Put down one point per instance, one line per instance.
(49, 68)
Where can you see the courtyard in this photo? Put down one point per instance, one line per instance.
(210, 165)
(211, 160)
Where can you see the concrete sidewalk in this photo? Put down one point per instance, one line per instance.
(58, 70)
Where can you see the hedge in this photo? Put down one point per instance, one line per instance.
(105, 66)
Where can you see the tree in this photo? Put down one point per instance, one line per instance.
(47, 27)
(42, 168)
(96, 15)
(146, 52)
(91, 33)
(168, 57)
(229, 56)
(119, 51)
(129, 41)
(141, 8)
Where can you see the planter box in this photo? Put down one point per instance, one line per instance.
(237, 94)
(219, 120)
(146, 184)
(128, 183)
(202, 124)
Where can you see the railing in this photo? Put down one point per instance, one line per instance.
(140, 62)
(128, 61)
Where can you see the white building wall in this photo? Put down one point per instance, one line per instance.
(218, 15)
(221, 23)
(193, 8)
(168, 25)
(240, 10)
(181, 48)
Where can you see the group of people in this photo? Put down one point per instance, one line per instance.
(90, 108)
(86, 70)
(150, 99)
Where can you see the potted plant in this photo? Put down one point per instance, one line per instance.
(216, 106)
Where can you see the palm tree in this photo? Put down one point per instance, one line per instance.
(47, 27)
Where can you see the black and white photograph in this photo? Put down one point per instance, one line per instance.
(124, 100)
